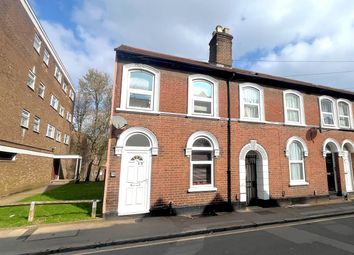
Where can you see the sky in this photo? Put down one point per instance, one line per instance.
(306, 40)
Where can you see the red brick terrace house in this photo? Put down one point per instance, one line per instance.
(207, 136)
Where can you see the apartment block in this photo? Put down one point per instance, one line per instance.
(37, 101)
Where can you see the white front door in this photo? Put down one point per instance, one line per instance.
(134, 191)
(348, 171)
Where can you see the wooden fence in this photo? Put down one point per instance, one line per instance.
(33, 204)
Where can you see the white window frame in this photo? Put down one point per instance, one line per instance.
(214, 100)
(46, 57)
(64, 86)
(54, 102)
(301, 111)
(261, 117)
(50, 131)
(69, 116)
(57, 74)
(61, 111)
(341, 100)
(334, 107)
(36, 124)
(32, 75)
(37, 40)
(155, 96)
(66, 139)
(215, 151)
(58, 136)
(25, 119)
(41, 85)
(71, 95)
(305, 154)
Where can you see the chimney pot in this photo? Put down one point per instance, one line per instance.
(218, 29)
(226, 30)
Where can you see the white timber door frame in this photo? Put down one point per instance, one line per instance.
(135, 186)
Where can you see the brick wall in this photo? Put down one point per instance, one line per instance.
(17, 57)
(170, 168)
(25, 173)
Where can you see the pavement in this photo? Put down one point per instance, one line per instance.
(55, 238)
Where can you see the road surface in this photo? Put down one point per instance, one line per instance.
(327, 236)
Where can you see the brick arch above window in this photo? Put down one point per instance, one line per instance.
(202, 134)
(297, 139)
(154, 146)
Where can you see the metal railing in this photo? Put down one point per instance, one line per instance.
(33, 204)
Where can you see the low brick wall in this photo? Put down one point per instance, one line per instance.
(24, 173)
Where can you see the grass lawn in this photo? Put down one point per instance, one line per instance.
(17, 216)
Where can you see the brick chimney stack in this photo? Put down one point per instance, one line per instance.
(220, 47)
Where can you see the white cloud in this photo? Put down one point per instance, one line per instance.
(80, 51)
(278, 30)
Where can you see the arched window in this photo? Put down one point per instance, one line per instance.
(140, 88)
(138, 140)
(202, 147)
(344, 113)
(140, 91)
(296, 152)
(328, 112)
(202, 96)
(202, 163)
(293, 108)
(251, 102)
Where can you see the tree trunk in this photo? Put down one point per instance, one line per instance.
(88, 173)
(98, 174)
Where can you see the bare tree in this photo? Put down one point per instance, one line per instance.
(92, 112)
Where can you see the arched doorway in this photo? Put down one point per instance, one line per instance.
(331, 152)
(254, 177)
(348, 150)
(136, 147)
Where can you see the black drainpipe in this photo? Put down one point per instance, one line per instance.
(229, 141)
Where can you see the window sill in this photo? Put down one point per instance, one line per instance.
(37, 51)
(298, 184)
(24, 127)
(329, 127)
(202, 117)
(202, 189)
(345, 128)
(252, 121)
(294, 124)
(31, 87)
(137, 111)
